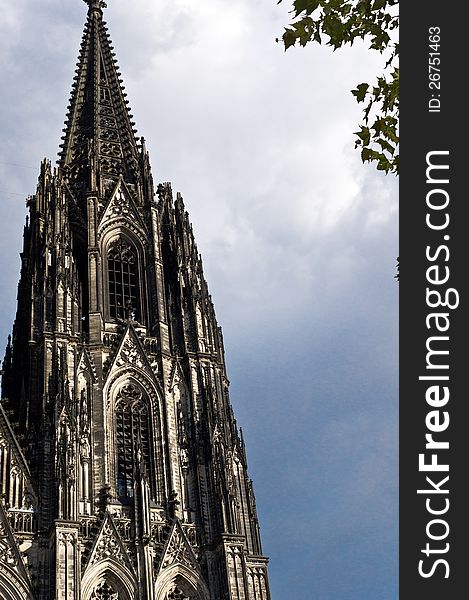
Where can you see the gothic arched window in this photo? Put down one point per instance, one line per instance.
(123, 280)
(133, 438)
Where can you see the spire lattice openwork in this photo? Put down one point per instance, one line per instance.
(99, 143)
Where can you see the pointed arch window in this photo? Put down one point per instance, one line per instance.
(133, 439)
(123, 280)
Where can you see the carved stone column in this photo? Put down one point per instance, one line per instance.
(67, 561)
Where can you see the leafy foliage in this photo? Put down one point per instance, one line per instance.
(343, 22)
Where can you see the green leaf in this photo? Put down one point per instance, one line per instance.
(307, 6)
(289, 38)
(366, 155)
(360, 92)
(344, 22)
(332, 25)
(378, 4)
(386, 146)
(384, 165)
(364, 135)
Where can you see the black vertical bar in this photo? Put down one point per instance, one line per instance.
(434, 402)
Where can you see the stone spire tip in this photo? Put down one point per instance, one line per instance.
(95, 4)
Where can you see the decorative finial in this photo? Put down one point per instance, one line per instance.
(95, 4)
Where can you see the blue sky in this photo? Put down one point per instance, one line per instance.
(298, 238)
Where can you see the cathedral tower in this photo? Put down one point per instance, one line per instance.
(122, 472)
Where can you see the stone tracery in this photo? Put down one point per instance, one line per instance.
(123, 280)
(104, 592)
(133, 437)
(177, 594)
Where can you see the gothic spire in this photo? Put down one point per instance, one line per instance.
(99, 144)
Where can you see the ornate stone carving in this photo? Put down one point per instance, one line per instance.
(130, 393)
(86, 365)
(85, 449)
(108, 546)
(107, 122)
(178, 550)
(106, 111)
(104, 592)
(65, 537)
(176, 594)
(120, 204)
(7, 554)
(109, 149)
(130, 354)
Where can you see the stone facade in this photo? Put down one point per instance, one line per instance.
(122, 472)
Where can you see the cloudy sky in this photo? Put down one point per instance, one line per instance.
(298, 238)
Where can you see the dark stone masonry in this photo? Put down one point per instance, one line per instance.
(122, 472)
